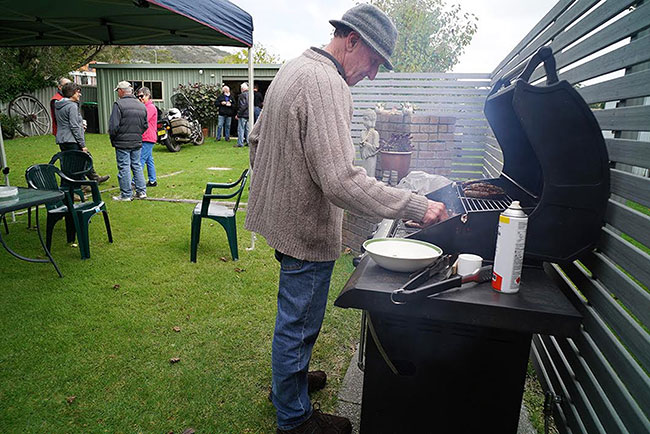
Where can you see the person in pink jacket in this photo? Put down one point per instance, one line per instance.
(150, 135)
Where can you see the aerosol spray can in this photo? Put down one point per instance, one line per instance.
(509, 254)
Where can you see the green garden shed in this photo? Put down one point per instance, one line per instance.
(162, 79)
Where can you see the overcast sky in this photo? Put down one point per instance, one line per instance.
(288, 27)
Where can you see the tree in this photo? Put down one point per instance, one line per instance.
(27, 69)
(261, 55)
(431, 36)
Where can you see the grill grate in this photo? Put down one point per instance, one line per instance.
(471, 204)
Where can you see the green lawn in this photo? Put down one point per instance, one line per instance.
(90, 352)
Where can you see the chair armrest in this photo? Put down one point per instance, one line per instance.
(76, 183)
(220, 196)
(212, 185)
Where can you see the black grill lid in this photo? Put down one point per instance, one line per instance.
(554, 150)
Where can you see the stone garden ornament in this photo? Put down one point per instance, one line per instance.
(369, 146)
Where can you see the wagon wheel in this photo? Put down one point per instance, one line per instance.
(34, 116)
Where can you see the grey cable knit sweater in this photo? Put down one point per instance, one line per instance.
(302, 157)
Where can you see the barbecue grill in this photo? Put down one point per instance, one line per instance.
(432, 362)
(555, 164)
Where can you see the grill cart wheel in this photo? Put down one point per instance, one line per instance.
(35, 119)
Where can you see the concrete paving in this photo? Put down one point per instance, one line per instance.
(349, 404)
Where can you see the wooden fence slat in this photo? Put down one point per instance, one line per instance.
(629, 221)
(576, 10)
(579, 398)
(636, 118)
(553, 379)
(618, 283)
(629, 257)
(466, 153)
(417, 91)
(443, 100)
(628, 86)
(632, 152)
(597, 17)
(637, 51)
(603, 407)
(424, 83)
(629, 186)
(625, 26)
(616, 390)
(636, 339)
(555, 11)
(627, 369)
(435, 75)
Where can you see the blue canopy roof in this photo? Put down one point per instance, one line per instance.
(124, 22)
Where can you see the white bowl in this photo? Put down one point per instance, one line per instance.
(402, 254)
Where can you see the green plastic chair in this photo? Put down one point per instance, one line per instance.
(74, 164)
(77, 215)
(222, 214)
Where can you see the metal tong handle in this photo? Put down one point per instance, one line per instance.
(400, 296)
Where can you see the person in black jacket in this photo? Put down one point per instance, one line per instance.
(226, 106)
(126, 125)
(258, 101)
(242, 116)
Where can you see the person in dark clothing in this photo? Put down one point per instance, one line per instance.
(70, 130)
(258, 101)
(126, 125)
(242, 116)
(226, 106)
(58, 96)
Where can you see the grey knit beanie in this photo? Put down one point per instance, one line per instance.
(374, 27)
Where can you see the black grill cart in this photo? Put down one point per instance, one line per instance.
(453, 363)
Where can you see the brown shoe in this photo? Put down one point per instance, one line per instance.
(322, 423)
(315, 381)
(101, 179)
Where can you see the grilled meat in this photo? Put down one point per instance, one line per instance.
(482, 190)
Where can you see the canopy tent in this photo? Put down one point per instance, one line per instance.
(124, 22)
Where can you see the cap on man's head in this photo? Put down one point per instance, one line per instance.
(374, 27)
(123, 85)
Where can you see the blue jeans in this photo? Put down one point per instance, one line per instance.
(129, 159)
(223, 122)
(146, 159)
(242, 131)
(302, 297)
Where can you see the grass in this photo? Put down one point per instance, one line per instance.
(91, 352)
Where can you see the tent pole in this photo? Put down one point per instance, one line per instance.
(251, 117)
(3, 157)
(251, 93)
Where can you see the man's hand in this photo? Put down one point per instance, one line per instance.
(436, 212)
(84, 149)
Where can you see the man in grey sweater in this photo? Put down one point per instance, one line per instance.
(302, 157)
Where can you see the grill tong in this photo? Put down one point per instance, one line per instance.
(412, 290)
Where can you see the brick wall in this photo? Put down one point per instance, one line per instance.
(357, 229)
(432, 137)
(433, 140)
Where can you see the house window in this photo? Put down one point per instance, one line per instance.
(154, 86)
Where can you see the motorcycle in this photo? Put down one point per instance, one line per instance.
(179, 125)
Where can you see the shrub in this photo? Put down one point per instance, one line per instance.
(9, 126)
(203, 98)
(397, 143)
